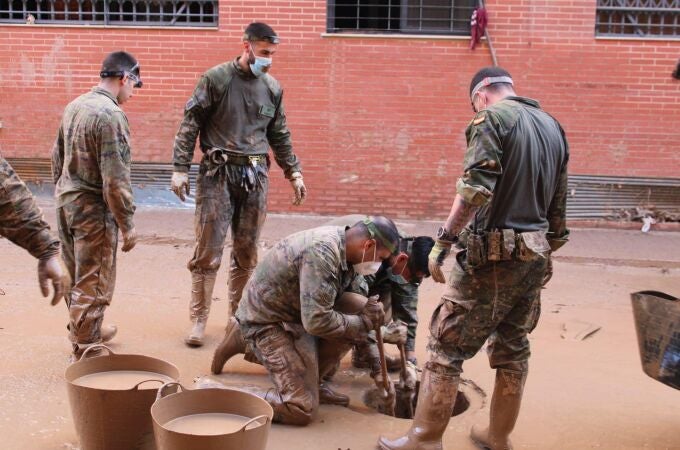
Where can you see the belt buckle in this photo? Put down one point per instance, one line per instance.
(254, 160)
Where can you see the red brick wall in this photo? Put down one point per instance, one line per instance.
(377, 122)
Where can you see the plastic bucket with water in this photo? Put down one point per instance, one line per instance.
(250, 432)
(120, 418)
(657, 322)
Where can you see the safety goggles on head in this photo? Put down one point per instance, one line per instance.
(271, 39)
(132, 73)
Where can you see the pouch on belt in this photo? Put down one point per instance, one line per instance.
(532, 245)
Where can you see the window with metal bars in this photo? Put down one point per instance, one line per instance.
(447, 17)
(638, 18)
(194, 13)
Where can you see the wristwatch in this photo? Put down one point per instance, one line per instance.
(445, 235)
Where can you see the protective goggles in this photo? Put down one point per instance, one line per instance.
(487, 81)
(135, 77)
(271, 39)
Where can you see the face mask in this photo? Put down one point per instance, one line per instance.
(368, 267)
(259, 63)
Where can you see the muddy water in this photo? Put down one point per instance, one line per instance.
(208, 424)
(118, 380)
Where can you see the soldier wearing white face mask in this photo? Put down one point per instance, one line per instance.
(236, 112)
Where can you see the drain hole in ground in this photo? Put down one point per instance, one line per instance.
(404, 399)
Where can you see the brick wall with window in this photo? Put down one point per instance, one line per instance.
(377, 114)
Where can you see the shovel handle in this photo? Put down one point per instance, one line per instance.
(161, 390)
(383, 362)
(255, 419)
(87, 350)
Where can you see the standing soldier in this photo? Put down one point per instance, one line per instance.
(91, 170)
(237, 111)
(21, 222)
(514, 186)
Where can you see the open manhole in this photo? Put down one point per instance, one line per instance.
(405, 404)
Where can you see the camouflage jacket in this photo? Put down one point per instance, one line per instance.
(21, 221)
(235, 111)
(297, 282)
(516, 168)
(92, 155)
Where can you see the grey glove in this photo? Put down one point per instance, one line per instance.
(438, 254)
(299, 188)
(50, 270)
(179, 184)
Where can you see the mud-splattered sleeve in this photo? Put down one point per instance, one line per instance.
(21, 221)
(196, 112)
(114, 164)
(319, 285)
(280, 141)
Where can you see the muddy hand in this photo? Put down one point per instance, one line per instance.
(50, 270)
(299, 188)
(179, 184)
(129, 240)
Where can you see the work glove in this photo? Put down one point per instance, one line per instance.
(373, 313)
(410, 377)
(129, 240)
(180, 184)
(395, 333)
(548, 271)
(436, 259)
(388, 399)
(49, 269)
(299, 188)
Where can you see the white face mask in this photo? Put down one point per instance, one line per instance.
(368, 267)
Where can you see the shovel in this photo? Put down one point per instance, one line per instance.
(389, 408)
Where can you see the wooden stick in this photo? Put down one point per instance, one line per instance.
(383, 362)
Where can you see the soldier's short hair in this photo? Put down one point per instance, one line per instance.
(259, 31)
(491, 73)
(418, 254)
(116, 63)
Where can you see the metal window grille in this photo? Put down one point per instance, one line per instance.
(638, 18)
(450, 17)
(194, 13)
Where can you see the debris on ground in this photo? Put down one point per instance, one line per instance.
(578, 330)
(645, 214)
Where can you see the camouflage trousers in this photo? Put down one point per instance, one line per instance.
(296, 361)
(499, 301)
(89, 238)
(222, 201)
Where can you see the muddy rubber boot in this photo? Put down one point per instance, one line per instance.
(436, 398)
(361, 360)
(231, 345)
(505, 405)
(238, 278)
(108, 332)
(328, 396)
(201, 297)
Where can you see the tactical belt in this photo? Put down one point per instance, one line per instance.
(503, 245)
(219, 156)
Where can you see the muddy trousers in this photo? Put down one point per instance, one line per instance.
(222, 202)
(89, 238)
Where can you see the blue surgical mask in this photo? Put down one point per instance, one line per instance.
(260, 63)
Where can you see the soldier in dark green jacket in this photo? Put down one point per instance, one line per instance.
(91, 161)
(512, 196)
(237, 113)
(21, 221)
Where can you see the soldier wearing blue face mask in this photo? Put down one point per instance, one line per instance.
(236, 112)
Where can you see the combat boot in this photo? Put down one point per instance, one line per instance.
(231, 345)
(201, 297)
(436, 398)
(328, 396)
(505, 405)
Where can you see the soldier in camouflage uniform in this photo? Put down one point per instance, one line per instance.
(289, 317)
(514, 192)
(237, 111)
(91, 170)
(21, 221)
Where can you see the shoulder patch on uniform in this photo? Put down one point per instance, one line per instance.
(190, 104)
(479, 120)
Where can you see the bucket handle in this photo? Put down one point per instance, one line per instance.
(99, 346)
(161, 390)
(136, 386)
(255, 419)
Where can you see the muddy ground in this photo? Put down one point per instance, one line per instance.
(580, 394)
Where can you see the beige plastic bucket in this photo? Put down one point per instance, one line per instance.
(115, 419)
(251, 436)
